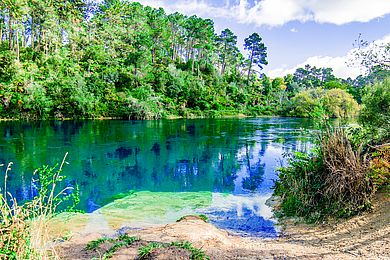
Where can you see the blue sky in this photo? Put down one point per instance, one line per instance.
(296, 32)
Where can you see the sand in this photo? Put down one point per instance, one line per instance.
(366, 236)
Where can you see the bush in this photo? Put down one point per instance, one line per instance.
(380, 167)
(331, 181)
(340, 104)
(375, 113)
(317, 103)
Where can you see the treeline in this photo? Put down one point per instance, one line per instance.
(69, 59)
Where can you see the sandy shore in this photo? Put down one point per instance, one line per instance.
(364, 237)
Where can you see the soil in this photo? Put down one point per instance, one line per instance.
(364, 237)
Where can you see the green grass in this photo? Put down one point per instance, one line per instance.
(144, 251)
(119, 242)
(24, 225)
(196, 253)
(94, 244)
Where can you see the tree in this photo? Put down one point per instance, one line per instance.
(375, 114)
(375, 55)
(257, 52)
(227, 48)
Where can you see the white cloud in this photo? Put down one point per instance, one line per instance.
(338, 64)
(279, 12)
(293, 30)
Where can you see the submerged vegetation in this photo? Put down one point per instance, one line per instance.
(24, 225)
(91, 59)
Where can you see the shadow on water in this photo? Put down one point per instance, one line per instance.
(231, 156)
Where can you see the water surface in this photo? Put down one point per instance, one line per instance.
(223, 168)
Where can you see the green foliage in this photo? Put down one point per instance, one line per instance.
(117, 59)
(340, 104)
(380, 167)
(116, 244)
(375, 113)
(201, 216)
(257, 52)
(144, 251)
(94, 244)
(120, 59)
(24, 226)
(332, 180)
(319, 103)
(196, 253)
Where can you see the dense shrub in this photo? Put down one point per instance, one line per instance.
(340, 104)
(331, 181)
(333, 103)
(380, 167)
(375, 113)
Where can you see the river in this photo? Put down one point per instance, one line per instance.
(222, 168)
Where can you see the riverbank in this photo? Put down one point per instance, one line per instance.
(207, 114)
(365, 236)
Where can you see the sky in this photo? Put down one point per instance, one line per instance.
(296, 32)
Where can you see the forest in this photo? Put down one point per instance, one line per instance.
(118, 59)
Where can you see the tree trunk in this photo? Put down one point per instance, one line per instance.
(24, 37)
(193, 60)
(17, 44)
(224, 60)
(10, 36)
(32, 32)
(250, 68)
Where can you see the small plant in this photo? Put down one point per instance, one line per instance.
(23, 228)
(380, 167)
(144, 251)
(94, 244)
(119, 242)
(196, 253)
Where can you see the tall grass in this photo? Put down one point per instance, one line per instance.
(331, 181)
(24, 226)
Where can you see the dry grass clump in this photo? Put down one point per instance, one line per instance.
(333, 180)
(24, 227)
(345, 179)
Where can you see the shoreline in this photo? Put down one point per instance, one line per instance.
(363, 236)
(171, 117)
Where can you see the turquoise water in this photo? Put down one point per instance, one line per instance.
(233, 160)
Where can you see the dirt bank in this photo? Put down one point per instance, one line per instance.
(365, 236)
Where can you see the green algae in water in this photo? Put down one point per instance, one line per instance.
(154, 207)
(120, 195)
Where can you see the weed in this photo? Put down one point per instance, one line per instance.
(23, 228)
(145, 251)
(196, 253)
(119, 242)
(94, 244)
(201, 216)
